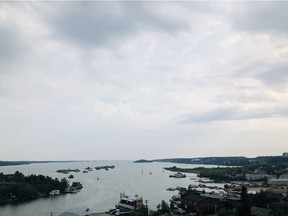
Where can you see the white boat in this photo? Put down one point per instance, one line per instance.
(178, 175)
(54, 192)
(128, 204)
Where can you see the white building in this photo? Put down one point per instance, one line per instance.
(284, 176)
(278, 182)
(255, 177)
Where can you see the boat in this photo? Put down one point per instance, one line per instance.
(170, 189)
(206, 181)
(129, 204)
(74, 188)
(54, 192)
(178, 175)
(89, 168)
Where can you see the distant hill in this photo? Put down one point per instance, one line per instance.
(228, 161)
(15, 163)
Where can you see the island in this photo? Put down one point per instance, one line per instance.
(17, 187)
(143, 161)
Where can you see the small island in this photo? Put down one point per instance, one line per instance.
(17, 187)
(143, 161)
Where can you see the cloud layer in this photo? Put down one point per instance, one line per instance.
(128, 80)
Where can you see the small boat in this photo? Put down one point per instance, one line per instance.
(170, 189)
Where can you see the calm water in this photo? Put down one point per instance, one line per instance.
(99, 195)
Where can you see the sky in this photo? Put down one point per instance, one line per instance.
(127, 80)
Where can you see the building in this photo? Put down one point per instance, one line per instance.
(284, 176)
(285, 154)
(257, 177)
(276, 194)
(278, 182)
(256, 211)
(193, 202)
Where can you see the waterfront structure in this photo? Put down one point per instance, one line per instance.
(284, 176)
(285, 154)
(256, 177)
(278, 182)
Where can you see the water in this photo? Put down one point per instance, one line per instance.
(99, 195)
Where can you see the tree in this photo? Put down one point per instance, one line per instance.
(142, 211)
(164, 207)
(280, 208)
(260, 199)
(245, 206)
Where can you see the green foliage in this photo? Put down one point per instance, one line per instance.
(142, 211)
(226, 212)
(162, 208)
(20, 187)
(219, 174)
(280, 208)
(260, 199)
(226, 161)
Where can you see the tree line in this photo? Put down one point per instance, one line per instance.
(19, 187)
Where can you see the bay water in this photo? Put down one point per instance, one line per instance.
(147, 180)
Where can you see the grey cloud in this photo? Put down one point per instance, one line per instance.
(271, 74)
(99, 23)
(229, 114)
(11, 46)
(275, 76)
(261, 16)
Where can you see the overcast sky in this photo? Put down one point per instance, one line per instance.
(130, 80)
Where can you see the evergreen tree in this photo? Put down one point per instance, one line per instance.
(245, 206)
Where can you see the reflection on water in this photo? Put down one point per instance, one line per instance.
(98, 195)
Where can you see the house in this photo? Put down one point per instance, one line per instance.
(193, 202)
(256, 211)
